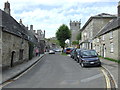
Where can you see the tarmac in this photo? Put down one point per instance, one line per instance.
(110, 66)
(16, 70)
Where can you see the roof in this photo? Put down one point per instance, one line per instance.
(102, 15)
(11, 26)
(112, 25)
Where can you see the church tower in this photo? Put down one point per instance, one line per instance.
(7, 7)
(75, 28)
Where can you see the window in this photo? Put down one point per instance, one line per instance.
(97, 39)
(111, 35)
(103, 37)
(111, 47)
(75, 24)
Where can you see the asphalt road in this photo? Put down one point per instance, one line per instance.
(58, 71)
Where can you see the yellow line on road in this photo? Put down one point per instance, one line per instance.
(107, 79)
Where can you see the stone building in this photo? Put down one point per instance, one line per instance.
(14, 39)
(92, 27)
(41, 40)
(75, 29)
(107, 40)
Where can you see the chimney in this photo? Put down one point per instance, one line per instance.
(27, 27)
(20, 22)
(7, 7)
(44, 33)
(119, 9)
(31, 27)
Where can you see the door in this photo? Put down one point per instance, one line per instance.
(12, 58)
(21, 54)
(104, 50)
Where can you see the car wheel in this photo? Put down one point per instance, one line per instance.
(77, 60)
(99, 65)
(82, 65)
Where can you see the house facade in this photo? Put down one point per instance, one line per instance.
(17, 43)
(92, 27)
(107, 40)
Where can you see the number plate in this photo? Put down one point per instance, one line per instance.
(91, 62)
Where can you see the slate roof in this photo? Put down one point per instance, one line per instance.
(10, 25)
(112, 25)
(102, 15)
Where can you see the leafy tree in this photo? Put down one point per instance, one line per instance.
(62, 34)
(75, 42)
(79, 36)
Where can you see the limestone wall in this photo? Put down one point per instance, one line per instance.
(13, 43)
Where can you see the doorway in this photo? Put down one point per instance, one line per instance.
(104, 50)
(21, 54)
(12, 59)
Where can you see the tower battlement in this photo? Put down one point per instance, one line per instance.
(75, 21)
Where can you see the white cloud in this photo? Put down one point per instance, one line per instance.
(49, 19)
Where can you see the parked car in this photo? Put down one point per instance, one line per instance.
(72, 53)
(51, 52)
(57, 50)
(88, 58)
(68, 50)
(76, 55)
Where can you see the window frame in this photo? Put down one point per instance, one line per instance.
(111, 47)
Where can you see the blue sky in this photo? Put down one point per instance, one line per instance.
(50, 14)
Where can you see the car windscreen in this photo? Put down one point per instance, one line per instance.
(89, 53)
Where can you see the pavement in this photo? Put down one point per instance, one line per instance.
(16, 70)
(111, 67)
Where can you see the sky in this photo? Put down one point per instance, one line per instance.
(48, 15)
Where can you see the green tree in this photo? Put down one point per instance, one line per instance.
(63, 33)
(75, 42)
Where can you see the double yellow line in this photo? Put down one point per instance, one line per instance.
(107, 79)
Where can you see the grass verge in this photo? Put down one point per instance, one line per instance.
(64, 54)
(110, 59)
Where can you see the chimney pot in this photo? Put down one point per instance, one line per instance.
(31, 27)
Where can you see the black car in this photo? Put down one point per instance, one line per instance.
(88, 58)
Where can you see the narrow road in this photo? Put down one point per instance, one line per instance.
(58, 71)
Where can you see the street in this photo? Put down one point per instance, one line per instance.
(58, 71)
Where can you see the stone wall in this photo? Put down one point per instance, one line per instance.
(119, 43)
(98, 45)
(74, 27)
(0, 46)
(12, 43)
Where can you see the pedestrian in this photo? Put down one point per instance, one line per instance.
(36, 51)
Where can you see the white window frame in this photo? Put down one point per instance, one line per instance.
(103, 37)
(97, 39)
(111, 34)
(111, 47)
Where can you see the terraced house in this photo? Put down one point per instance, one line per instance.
(17, 43)
(107, 40)
(92, 27)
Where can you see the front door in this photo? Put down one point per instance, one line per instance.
(12, 58)
(104, 51)
(21, 54)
